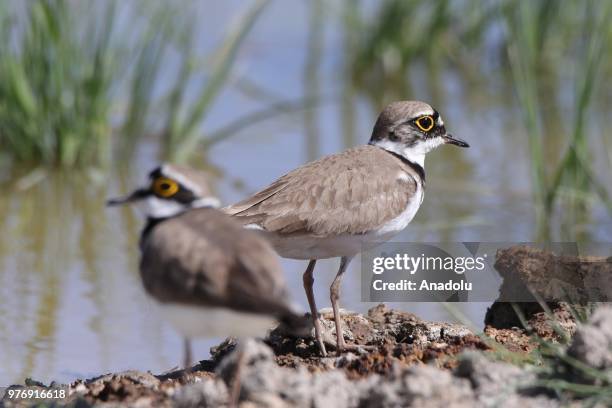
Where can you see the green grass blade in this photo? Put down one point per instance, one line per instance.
(229, 49)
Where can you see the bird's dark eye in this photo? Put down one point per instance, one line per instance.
(165, 187)
(425, 123)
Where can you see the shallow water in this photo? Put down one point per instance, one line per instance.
(71, 303)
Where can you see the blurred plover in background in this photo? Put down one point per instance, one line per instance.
(210, 276)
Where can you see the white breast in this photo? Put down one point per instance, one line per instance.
(311, 247)
(397, 224)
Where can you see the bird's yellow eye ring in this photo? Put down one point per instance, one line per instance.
(165, 187)
(425, 123)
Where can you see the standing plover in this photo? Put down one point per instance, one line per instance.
(341, 204)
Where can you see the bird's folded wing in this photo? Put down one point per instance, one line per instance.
(205, 258)
(352, 192)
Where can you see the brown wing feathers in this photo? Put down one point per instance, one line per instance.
(203, 257)
(351, 192)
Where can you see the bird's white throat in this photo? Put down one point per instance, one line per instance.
(415, 153)
(154, 207)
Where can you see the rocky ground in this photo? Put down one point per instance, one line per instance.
(415, 363)
(409, 362)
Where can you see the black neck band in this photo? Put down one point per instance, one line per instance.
(151, 223)
(415, 166)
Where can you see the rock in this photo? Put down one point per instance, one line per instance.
(592, 344)
(206, 393)
(514, 340)
(501, 315)
(264, 383)
(501, 384)
(556, 275)
(139, 388)
(557, 279)
(419, 386)
(404, 326)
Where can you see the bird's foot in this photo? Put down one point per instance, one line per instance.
(322, 336)
(340, 346)
(357, 348)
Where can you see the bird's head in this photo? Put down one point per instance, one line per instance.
(170, 190)
(412, 129)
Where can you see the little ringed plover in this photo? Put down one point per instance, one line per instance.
(210, 276)
(345, 203)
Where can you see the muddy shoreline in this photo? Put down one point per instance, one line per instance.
(415, 363)
(553, 361)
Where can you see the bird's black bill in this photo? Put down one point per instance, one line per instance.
(449, 139)
(135, 196)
